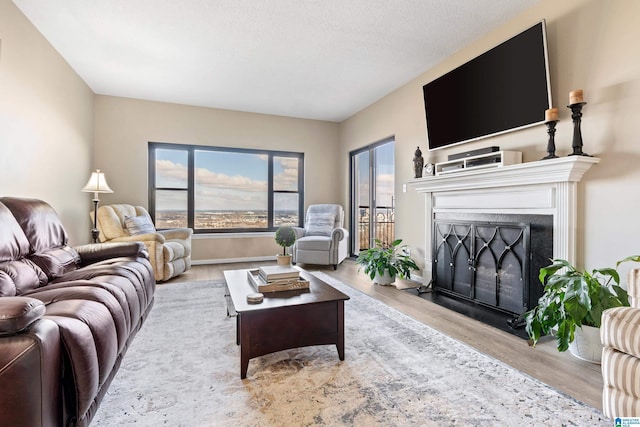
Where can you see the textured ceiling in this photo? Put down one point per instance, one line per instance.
(318, 59)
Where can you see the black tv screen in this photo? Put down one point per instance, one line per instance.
(504, 89)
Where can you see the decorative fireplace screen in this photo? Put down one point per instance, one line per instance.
(484, 262)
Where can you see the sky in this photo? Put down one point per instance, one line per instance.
(225, 180)
(384, 175)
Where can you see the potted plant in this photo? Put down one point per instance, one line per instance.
(285, 237)
(384, 263)
(572, 304)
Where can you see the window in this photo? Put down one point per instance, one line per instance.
(372, 195)
(218, 189)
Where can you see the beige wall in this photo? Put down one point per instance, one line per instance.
(46, 124)
(125, 126)
(593, 45)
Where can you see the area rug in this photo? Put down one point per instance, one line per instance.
(183, 369)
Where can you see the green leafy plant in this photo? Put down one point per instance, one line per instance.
(285, 237)
(391, 258)
(574, 298)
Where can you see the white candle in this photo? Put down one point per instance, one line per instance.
(576, 96)
(551, 115)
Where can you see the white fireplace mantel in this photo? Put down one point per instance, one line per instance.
(544, 187)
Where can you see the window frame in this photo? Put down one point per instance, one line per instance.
(191, 149)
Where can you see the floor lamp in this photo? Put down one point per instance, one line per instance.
(96, 184)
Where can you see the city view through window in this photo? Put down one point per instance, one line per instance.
(231, 189)
(225, 219)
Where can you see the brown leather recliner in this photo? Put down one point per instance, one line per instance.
(67, 316)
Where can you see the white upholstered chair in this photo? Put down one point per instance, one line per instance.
(323, 240)
(169, 250)
(620, 335)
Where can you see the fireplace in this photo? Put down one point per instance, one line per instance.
(492, 260)
(530, 212)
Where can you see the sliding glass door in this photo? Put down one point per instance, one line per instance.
(372, 195)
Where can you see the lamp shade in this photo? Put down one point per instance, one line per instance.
(97, 183)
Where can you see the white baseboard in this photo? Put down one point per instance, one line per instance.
(232, 260)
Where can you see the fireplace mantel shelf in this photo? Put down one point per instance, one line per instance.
(562, 169)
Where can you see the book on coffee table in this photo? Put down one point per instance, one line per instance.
(286, 284)
(269, 273)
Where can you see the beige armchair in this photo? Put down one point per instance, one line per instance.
(169, 250)
(322, 240)
(620, 335)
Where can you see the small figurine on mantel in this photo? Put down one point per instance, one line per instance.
(418, 163)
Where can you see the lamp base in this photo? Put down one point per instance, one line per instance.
(94, 235)
(94, 231)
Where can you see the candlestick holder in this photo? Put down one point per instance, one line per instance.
(576, 116)
(551, 145)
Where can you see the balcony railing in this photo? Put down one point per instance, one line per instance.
(384, 223)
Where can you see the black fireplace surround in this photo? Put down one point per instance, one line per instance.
(490, 262)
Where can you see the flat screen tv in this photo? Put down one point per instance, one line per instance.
(504, 89)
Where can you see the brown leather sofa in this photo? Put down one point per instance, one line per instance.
(67, 316)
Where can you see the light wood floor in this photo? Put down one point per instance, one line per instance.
(578, 379)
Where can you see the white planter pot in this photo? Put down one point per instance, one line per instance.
(385, 279)
(586, 344)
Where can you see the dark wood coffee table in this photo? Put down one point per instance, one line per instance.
(285, 319)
